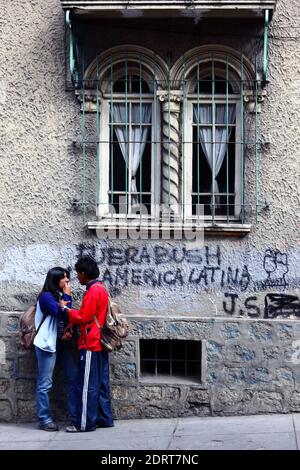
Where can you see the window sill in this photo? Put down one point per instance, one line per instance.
(161, 379)
(156, 230)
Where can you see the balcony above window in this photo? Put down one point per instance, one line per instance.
(155, 8)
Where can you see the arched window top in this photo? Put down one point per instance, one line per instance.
(142, 71)
(213, 76)
(200, 67)
(134, 67)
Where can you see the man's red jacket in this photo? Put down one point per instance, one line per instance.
(95, 302)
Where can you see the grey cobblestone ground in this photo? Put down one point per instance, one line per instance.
(261, 432)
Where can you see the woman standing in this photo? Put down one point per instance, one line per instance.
(50, 347)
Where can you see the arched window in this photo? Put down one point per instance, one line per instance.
(129, 141)
(214, 156)
(171, 137)
(213, 133)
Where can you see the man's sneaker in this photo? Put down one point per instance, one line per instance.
(49, 426)
(72, 428)
(99, 425)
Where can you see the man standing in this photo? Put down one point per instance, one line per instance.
(93, 393)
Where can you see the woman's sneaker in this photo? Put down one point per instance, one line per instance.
(73, 428)
(49, 426)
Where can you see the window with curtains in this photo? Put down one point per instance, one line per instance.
(173, 141)
(127, 133)
(213, 130)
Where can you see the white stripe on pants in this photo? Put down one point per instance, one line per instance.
(87, 369)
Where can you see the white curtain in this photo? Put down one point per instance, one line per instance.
(203, 116)
(140, 114)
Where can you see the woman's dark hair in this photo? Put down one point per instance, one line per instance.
(88, 266)
(54, 276)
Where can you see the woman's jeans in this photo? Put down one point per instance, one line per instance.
(46, 364)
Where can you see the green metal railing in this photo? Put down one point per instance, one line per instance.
(73, 51)
(176, 159)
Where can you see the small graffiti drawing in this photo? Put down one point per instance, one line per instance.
(276, 266)
(281, 304)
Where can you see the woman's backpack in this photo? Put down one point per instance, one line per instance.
(27, 331)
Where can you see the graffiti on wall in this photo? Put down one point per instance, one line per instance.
(275, 305)
(235, 282)
(281, 304)
(160, 266)
(276, 267)
(249, 307)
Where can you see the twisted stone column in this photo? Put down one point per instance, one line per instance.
(170, 147)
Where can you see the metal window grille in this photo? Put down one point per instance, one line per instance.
(201, 149)
(218, 144)
(180, 358)
(130, 111)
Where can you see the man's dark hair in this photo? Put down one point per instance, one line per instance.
(88, 266)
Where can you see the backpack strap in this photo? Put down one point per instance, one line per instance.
(43, 319)
(108, 305)
(97, 323)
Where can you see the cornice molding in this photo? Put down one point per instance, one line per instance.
(182, 7)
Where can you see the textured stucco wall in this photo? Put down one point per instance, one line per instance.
(41, 170)
(40, 174)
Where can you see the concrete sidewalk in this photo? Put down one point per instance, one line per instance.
(263, 432)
